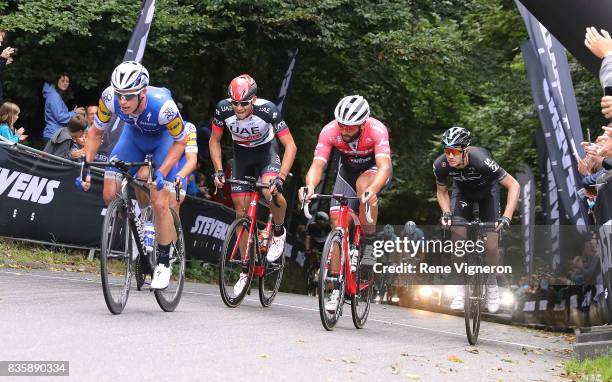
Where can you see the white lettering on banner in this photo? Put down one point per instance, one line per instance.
(566, 160)
(526, 220)
(553, 204)
(546, 36)
(210, 227)
(27, 187)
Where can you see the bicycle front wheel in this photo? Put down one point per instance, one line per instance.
(116, 256)
(473, 301)
(331, 282)
(234, 258)
(271, 280)
(169, 298)
(360, 302)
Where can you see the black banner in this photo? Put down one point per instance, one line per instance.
(527, 207)
(204, 226)
(548, 72)
(134, 52)
(39, 201)
(568, 20)
(282, 93)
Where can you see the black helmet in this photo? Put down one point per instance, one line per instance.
(457, 137)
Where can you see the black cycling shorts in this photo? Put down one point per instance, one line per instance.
(256, 162)
(346, 182)
(463, 201)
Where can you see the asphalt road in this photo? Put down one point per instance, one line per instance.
(62, 316)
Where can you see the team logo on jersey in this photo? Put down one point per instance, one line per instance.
(491, 164)
(175, 126)
(103, 112)
(463, 204)
(149, 117)
(107, 96)
(169, 113)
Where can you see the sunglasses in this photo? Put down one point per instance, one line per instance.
(241, 103)
(127, 97)
(450, 150)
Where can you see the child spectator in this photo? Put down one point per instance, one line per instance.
(9, 112)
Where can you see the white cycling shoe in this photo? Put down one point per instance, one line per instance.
(277, 247)
(240, 284)
(492, 297)
(332, 303)
(459, 299)
(161, 277)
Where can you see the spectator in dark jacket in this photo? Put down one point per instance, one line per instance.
(56, 111)
(68, 142)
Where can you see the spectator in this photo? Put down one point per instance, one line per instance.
(91, 114)
(56, 111)
(6, 57)
(9, 112)
(317, 233)
(68, 142)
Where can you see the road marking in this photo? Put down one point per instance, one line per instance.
(296, 307)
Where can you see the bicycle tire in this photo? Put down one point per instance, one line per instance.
(474, 295)
(115, 226)
(273, 275)
(169, 298)
(360, 302)
(330, 319)
(229, 269)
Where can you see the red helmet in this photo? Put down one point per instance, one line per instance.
(242, 88)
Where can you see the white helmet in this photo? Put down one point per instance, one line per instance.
(352, 110)
(129, 77)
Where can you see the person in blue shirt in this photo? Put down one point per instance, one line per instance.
(56, 111)
(9, 112)
(153, 125)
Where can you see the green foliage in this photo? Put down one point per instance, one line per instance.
(423, 66)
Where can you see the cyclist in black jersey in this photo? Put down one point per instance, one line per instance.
(476, 178)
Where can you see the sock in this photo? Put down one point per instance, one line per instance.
(163, 254)
(278, 229)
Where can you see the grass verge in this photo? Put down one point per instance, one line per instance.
(590, 370)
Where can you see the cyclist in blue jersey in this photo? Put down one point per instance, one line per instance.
(153, 125)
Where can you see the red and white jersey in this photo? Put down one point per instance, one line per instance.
(361, 153)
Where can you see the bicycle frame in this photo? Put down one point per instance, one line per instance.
(260, 269)
(350, 287)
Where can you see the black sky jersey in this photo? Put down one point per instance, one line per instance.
(480, 173)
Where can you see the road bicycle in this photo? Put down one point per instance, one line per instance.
(356, 286)
(120, 233)
(245, 248)
(475, 290)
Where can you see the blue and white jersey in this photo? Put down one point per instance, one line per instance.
(161, 113)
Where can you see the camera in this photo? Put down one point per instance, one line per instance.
(15, 52)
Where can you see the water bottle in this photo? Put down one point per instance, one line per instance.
(149, 236)
(354, 256)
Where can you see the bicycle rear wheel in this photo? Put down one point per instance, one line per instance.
(169, 298)
(271, 280)
(360, 302)
(233, 256)
(116, 256)
(330, 282)
(474, 297)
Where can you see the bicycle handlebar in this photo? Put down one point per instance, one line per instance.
(338, 197)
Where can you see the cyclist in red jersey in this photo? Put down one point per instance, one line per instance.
(365, 168)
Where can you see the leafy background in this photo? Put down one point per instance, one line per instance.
(423, 66)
